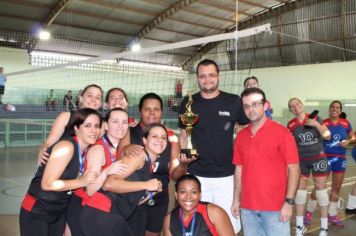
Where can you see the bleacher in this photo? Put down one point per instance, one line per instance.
(31, 112)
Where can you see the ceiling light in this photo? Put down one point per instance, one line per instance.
(135, 47)
(44, 35)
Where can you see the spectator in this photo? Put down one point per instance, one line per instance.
(2, 83)
(51, 100)
(68, 102)
(170, 102)
(179, 89)
(77, 101)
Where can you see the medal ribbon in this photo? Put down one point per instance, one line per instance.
(191, 232)
(109, 146)
(81, 157)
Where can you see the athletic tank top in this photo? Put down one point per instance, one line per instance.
(202, 224)
(126, 203)
(52, 202)
(109, 159)
(160, 170)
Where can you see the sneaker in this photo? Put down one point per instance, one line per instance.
(307, 218)
(323, 232)
(350, 211)
(336, 221)
(300, 230)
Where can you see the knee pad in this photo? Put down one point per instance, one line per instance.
(301, 197)
(322, 196)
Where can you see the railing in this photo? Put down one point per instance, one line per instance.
(17, 133)
(23, 132)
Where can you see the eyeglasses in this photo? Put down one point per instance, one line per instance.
(254, 105)
(211, 75)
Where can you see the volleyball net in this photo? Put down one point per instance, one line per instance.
(34, 67)
(36, 70)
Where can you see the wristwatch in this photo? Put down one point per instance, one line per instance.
(290, 201)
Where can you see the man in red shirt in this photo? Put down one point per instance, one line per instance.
(266, 172)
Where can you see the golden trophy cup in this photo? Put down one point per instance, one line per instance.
(188, 119)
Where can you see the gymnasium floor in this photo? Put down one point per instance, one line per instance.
(19, 164)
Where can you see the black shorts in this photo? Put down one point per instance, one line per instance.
(2, 89)
(74, 211)
(318, 167)
(94, 222)
(31, 224)
(149, 218)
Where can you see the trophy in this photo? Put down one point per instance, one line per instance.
(188, 118)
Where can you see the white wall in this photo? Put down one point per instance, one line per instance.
(330, 81)
(327, 81)
(26, 87)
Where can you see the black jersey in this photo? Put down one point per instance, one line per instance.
(212, 135)
(53, 203)
(160, 170)
(202, 224)
(126, 203)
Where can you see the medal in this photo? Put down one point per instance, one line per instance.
(151, 202)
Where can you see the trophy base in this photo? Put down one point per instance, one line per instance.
(189, 152)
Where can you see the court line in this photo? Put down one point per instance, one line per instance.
(318, 228)
(12, 181)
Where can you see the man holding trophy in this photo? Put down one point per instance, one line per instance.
(207, 121)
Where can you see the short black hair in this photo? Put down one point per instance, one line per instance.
(207, 62)
(248, 78)
(249, 91)
(187, 177)
(150, 96)
(78, 117)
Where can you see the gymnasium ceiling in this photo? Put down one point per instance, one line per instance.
(151, 22)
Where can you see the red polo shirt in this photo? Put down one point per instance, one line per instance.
(264, 159)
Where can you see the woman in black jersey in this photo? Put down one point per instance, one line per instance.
(193, 217)
(106, 211)
(91, 97)
(44, 206)
(100, 159)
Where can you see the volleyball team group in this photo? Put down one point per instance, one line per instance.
(110, 175)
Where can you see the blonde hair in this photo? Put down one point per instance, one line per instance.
(290, 100)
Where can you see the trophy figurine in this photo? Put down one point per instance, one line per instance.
(188, 119)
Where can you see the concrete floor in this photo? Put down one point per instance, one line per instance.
(18, 166)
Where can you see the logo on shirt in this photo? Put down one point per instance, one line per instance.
(307, 139)
(224, 113)
(336, 141)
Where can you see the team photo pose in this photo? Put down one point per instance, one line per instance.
(91, 97)
(43, 210)
(193, 217)
(100, 159)
(106, 212)
(148, 219)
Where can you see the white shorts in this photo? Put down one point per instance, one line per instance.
(220, 191)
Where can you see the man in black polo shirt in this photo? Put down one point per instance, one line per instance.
(212, 136)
